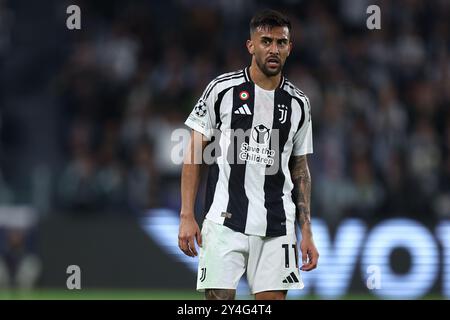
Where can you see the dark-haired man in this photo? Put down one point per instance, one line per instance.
(259, 184)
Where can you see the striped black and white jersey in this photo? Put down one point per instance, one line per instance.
(249, 186)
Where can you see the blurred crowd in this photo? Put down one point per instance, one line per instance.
(380, 101)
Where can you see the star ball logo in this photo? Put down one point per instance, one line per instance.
(200, 108)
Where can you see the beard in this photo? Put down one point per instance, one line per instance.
(268, 72)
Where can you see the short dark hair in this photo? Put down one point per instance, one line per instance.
(269, 18)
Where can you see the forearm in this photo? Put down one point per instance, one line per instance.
(302, 192)
(191, 173)
(190, 179)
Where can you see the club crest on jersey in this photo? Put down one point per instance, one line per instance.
(243, 95)
(283, 113)
(203, 275)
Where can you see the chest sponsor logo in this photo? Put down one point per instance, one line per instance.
(261, 153)
(261, 134)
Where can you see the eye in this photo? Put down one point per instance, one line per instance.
(282, 43)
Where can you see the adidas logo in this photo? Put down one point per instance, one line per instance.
(243, 110)
(291, 278)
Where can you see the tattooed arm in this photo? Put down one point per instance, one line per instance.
(302, 195)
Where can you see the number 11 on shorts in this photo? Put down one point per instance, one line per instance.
(286, 254)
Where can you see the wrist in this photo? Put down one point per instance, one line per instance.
(306, 229)
(187, 214)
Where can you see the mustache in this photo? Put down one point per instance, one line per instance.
(274, 58)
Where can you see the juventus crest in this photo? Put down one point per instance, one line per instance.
(283, 113)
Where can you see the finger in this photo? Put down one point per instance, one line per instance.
(199, 238)
(314, 259)
(304, 256)
(191, 244)
(308, 267)
(183, 245)
(312, 264)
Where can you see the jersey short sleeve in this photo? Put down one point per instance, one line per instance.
(303, 141)
(203, 118)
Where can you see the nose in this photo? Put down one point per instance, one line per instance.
(274, 48)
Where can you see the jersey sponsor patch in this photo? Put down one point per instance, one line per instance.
(200, 108)
(243, 95)
(261, 134)
(261, 153)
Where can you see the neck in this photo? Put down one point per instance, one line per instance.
(263, 81)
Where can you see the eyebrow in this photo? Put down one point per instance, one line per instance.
(277, 39)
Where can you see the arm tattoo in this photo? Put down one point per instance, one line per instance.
(302, 188)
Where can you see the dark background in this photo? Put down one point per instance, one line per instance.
(86, 118)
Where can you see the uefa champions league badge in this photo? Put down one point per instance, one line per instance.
(200, 108)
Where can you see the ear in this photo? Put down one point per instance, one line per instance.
(250, 47)
(290, 48)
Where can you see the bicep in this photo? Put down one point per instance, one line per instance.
(199, 139)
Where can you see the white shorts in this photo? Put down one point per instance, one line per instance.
(271, 262)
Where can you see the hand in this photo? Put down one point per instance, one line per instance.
(310, 255)
(188, 231)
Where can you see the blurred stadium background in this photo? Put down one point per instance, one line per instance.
(86, 118)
